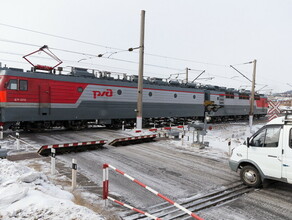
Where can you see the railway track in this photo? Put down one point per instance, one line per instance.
(194, 204)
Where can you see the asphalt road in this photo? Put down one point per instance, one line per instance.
(175, 173)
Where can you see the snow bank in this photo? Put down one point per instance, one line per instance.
(27, 194)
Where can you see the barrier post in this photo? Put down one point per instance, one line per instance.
(17, 141)
(53, 161)
(184, 132)
(229, 147)
(74, 173)
(198, 137)
(182, 139)
(105, 184)
(123, 125)
(1, 132)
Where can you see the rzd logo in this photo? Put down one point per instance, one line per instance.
(107, 93)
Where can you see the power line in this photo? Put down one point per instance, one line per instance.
(58, 36)
(108, 47)
(69, 61)
(86, 63)
(187, 60)
(104, 66)
(240, 73)
(91, 55)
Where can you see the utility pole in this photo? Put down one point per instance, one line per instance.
(251, 111)
(187, 74)
(141, 68)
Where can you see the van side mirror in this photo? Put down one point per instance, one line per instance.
(247, 141)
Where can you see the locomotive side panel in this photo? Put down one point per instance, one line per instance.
(115, 102)
(42, 97)
(50, 97)
(238, 105)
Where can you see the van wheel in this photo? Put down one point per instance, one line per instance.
(250, 176)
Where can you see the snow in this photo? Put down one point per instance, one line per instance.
(25, 193)
(218, 138)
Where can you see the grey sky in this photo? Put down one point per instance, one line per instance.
(207, 31)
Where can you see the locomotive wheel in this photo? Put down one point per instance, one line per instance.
(77, 126)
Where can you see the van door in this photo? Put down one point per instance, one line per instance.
(287, 157)
(265, 150)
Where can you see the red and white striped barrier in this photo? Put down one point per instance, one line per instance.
(136, 138)
(73, 144)
(134, 209)
(45, 149)
(131, 139)
(105, 190)
(165, 128)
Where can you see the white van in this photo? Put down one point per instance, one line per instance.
(267, 154)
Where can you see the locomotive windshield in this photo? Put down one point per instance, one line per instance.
(12, 84)
(15, 84)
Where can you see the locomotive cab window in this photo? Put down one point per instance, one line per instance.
(23, 85)
(229, 95)
(12, 84)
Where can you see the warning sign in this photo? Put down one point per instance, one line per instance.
(274, 109)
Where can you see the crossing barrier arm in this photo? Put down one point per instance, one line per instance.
(134, 209)
(106, 166)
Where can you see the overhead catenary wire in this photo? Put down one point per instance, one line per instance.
(58, 36)
(111, 48)
(108, 47)
(114, 67)
(91, 55)
(240, 73)
(71, 61)
(115, 48)
(106, 66)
